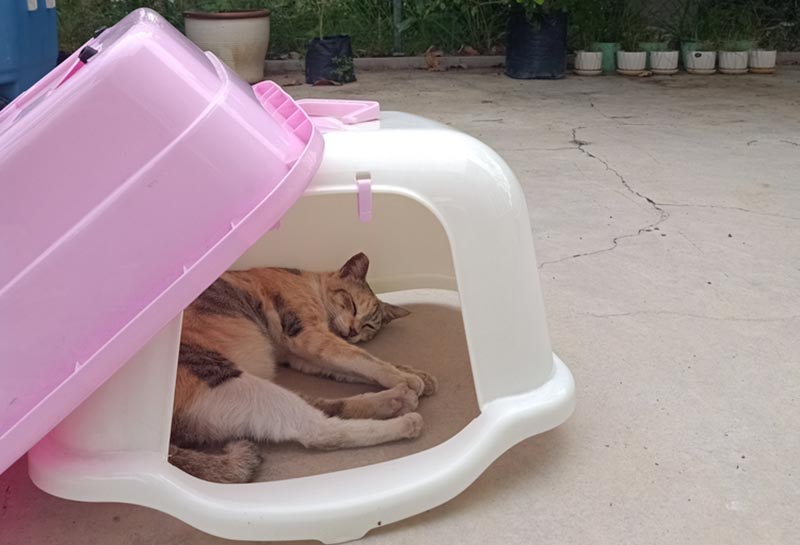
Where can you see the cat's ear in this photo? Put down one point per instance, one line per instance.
(392, 312)
(355, 268)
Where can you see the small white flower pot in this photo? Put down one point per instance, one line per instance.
(762, 61)
(733, 62)
(588, 63)
(664, 62)
(631, 63)
(701, 62)
(239, 39)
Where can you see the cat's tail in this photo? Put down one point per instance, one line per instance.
(237, 463)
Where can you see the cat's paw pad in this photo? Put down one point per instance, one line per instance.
(412, 425)
(401, 400)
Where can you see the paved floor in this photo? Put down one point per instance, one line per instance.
(666, 215)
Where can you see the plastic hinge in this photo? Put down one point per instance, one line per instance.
(364, 185)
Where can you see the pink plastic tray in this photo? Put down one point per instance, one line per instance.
(129, 181)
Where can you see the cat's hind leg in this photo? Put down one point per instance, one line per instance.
(250, 407)
(237, 463)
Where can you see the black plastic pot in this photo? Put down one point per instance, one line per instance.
(536, 47)
(330, 59)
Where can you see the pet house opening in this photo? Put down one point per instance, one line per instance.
(409, 268)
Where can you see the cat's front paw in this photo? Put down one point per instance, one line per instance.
(414, 382)
(430, 384)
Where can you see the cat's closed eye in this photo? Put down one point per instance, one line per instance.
(346, 301)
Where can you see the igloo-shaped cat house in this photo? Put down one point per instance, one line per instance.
(138, 171)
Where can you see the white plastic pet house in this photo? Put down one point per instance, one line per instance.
(137, 172)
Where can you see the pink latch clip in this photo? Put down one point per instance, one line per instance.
(334, 115)
(348, 112)
(364, 184)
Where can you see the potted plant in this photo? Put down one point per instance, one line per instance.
(761, 59)
(536, 39)
(631, 60)
(236, 31)
(700, 54)
(739, 26)
(606, 17)
(698, 25)
(329, 59)
(588, 57)
(702, 60)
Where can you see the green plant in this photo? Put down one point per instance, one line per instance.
(544, 6)
(345, 70)
(593, 22)
(78, 19)
(633, 26)
(728, 24)
(656, 34)
(584, 26)
(779, 24)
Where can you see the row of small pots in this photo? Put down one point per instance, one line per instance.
(590, 63)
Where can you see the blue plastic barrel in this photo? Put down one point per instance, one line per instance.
(28, 44)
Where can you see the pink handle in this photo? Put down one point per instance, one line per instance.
(348, 112)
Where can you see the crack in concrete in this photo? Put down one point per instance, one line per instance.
(690, 241)
(734, 208)
(599, 111)
(790, 142)
(691, 315)
(663, 215)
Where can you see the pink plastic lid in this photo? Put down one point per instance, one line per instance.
(131, 177)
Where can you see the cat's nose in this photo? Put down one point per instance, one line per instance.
(353, 332)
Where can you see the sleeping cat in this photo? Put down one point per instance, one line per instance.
(244, 325)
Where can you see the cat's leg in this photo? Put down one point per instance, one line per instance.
(308, 368)
(333, 355)
(384, 404)
(248, 406)
(237, 463)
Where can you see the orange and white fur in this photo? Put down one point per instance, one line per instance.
(249, 322)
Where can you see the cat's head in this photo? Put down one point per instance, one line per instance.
(354, 311)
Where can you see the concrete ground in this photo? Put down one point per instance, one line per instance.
(666, 215)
